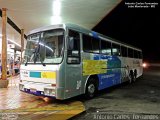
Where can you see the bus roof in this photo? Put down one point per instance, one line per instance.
(82, 30)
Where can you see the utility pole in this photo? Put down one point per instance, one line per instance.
(4, 81)
(22, 43)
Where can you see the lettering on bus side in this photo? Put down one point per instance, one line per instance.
(107, 76)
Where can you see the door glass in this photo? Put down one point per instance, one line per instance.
(73, 48)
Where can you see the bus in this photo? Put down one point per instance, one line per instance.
(66, 60)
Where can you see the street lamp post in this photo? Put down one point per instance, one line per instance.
(22, 43)
(4, 81)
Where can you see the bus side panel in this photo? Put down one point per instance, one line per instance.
(125, 69)
(113, 75)
(108, 69)
(131, 64)
(60, 87)
(138, 66)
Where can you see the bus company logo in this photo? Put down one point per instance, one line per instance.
(25, 73)
(107, 76)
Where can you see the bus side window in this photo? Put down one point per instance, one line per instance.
(106, 47)
(140, 55)
(87, 43)
(116, 49)
(91, 44)
(136, 55)
(130, 52)
(124, 51)
(73, 47)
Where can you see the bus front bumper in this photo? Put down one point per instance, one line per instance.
(38, 90)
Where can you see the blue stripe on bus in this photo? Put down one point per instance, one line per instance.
(95, 35)
(35, 74)
(37, 93)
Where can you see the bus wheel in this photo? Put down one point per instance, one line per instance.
(91, 88)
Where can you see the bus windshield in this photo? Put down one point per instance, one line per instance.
(45, 47)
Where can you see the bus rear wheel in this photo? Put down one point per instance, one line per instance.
(91, 88)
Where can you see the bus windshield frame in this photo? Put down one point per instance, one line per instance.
(46, 47)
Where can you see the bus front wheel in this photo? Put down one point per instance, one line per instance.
(91, 88)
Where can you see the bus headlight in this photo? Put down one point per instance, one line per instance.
(49, 92)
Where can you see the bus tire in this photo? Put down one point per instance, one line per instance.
(91, 88)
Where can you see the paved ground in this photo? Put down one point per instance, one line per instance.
(140, 98)
(16, 105)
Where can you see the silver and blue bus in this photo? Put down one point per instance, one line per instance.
(65, 60)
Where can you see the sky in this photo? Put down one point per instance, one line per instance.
(136, 26)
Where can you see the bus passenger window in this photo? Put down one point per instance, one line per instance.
(116, 49)
(91, 44)
(95, 45)
(130, 52)
(106, 47)
(73, 48)
(140, 55)
(136, 55)
(124, 51)
(87, 43)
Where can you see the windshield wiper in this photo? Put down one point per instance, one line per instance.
(26, 63)
(35, 59)
(42, 63)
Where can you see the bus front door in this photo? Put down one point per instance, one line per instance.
(73, 80)
(73, 68)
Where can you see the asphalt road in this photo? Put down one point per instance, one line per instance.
(123, 101)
